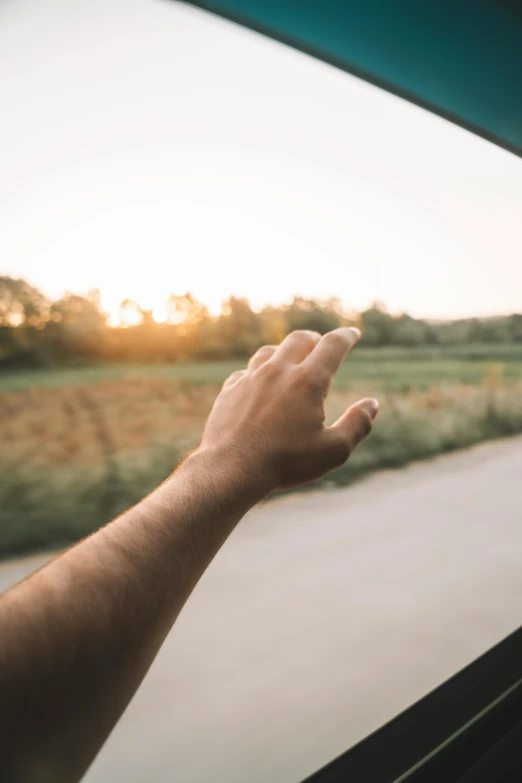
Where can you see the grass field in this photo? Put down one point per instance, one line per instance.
(396, 369)
(80, 445)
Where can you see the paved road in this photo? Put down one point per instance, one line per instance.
(323, 616)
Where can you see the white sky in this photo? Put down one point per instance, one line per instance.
(147, 147)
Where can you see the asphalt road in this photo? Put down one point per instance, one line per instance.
(323, 616)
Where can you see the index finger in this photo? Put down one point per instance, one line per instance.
(327, 356)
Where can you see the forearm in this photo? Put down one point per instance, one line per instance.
(78, 636)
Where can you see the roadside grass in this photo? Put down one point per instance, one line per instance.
(74, 456)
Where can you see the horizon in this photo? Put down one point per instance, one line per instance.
(159, 314)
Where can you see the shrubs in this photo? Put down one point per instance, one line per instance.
(74, 457)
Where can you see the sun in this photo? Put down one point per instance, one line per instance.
(160, 313)
(152, 301)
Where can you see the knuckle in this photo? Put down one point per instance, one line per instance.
(265, 350)
(305, 335)
(233, 377)
(336, 339)
(270, 369)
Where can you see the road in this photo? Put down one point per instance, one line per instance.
(324, 615)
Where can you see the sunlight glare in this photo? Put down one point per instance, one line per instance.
(159, 313)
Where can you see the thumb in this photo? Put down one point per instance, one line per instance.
(354, 425)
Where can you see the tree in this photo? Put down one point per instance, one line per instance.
(239, 327)
(130, 313)
(377, 325)
(23, 311)
(76, 328)
(515, 327)
(316, 315)
(192, 321)
(185, 310)
(21, 304)
(412, 331)
(273, 325)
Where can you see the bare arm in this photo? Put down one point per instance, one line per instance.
(77, 637)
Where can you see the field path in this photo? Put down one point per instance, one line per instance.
(323, 616)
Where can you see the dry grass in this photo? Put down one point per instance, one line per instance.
(74, 457)
(55, 427)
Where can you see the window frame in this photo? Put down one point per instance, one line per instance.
(442, 736)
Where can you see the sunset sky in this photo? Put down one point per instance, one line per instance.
(147, 147)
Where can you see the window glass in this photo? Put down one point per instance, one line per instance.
(176, 191)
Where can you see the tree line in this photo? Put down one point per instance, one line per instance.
(37, 332)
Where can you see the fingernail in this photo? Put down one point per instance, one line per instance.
(372, 406)
(356, 332)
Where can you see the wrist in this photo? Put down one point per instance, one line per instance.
(233, 470)
(226, 474)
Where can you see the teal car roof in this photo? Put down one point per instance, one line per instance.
(461, 59)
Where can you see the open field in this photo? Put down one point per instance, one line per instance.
(394, 368)
(80, 445)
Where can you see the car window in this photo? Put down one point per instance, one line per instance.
(175, 192)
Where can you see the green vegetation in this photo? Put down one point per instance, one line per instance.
(93, 417)
(79, 445)
(213, 373)
(73, 330)
(395, 369)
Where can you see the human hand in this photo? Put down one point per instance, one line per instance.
(269, 419)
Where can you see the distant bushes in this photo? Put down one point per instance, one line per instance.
(36, 332)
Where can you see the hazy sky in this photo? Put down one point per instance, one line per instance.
(147, 147)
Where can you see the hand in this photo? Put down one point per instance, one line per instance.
(269, 419)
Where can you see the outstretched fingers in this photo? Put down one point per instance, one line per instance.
(328, 354)
(353, 427)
